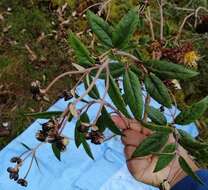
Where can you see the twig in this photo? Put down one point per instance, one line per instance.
(103, 6)
(197, 12)
(93, 82)
(105, 94)
(161, 5)
(66, 74)
(148, 15)
(182, 25)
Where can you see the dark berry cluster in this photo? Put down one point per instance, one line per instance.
(94, 134)
(49, 131)
(50, 134)
(35, 89)
(14, 172)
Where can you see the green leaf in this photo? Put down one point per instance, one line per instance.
(136, 70)
(153, 143)
(169, 70)
(44, 115)
(164, 160)
(158, 128)
(79, 137)
(94, 93)
(184, 165)
(56, 152)
(26, 146)
(101, 28)
(87, 148)
(156, 116)
(125, 29)
(192, 113)
(133, 93)
(185, 139)
(82, 54)
(157, 90)
(116, 97)
(106, 120)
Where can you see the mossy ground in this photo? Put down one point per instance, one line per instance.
(22, 24)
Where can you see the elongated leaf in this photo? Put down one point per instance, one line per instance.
(37, 163)
(156, 116)
(79, 137)
(153, 143)
(116, 97)
(193, 113)
(94, 93)
(44, 115)
(169, 70)
(157, 90)
(26, 146)
(164, 160)
(82, 54)
(125, 28)
(158, 128)
(184, 165)
(136, 70)
(87, 148)
(105, 121)
(133, 93)
(185, 139)
(101, 28)
(56, 152)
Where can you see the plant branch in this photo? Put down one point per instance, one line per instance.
(66, 74)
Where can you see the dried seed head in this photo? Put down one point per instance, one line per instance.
(37, 92)
(13, 170)
(41, 136)
(62, 143)
(22, 182)
(87, 136)
(35, 87)
(17, 160)
(51, 124)
(97, 137)
(16, 177)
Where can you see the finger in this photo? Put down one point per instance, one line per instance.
(132, 137)
(129, 150)
(124, 123)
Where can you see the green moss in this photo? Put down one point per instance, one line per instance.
(4, 62)
(27, 24)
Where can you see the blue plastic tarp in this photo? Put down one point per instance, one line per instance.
(76, 171)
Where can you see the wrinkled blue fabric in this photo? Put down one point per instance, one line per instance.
(76, 171)
(190, 184)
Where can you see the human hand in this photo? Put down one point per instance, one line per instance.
(142, 168)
